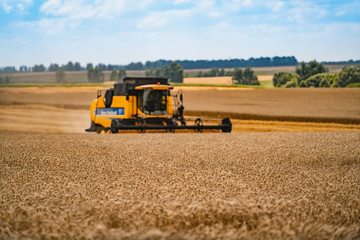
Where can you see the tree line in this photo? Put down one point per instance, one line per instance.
(315, 74)
(186, 64)
(227, 63)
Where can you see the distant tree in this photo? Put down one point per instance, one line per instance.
(319, 80)
(77, 66)
(281, 78)
(250, 78)
(162, 72)
(53, 67)
(69, 66)
(176, 72)
(23, 69)
(110, 67)
(149, 72)
(349, 75)
(113, 75)
(102, 66)
(291, 84)
(61, 76)
(89, 65)
(39, 68)
(307, 70)
(121, 75)
(222, 72)
(237, 75)
(246, 77)
(135, 66)
(95, 75)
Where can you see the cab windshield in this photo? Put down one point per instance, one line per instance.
(152, 102)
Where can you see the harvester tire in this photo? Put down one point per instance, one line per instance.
(108, 97)
(199, 123)
(99, 128)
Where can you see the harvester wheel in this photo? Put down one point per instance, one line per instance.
(141, 122)
(99, 129)
(199, 123)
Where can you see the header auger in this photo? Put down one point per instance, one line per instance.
(144, 104)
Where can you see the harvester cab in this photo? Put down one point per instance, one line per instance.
(143, 104)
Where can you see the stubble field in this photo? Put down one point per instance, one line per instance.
(58, 182)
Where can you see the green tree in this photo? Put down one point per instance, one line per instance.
(60, 76)
(95, 75)
(246, 77)
(39, 68)
(121, 75)
(222, 72)
(237, 75)
(77, 66)
(176, 72)
(349, 75)
(113, 75)
(249, 77)
(53, 67)
(307, 70)
(149, 72)
(69, 66)
(89, 65)
(319, 80)
(162, 72)
(281, 78)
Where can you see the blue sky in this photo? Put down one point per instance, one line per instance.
(124, 31)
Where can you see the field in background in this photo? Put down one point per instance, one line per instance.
(66, 109)
(264, 74)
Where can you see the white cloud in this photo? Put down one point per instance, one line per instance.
(236, 5)
(81, 9)
(348, 8)
(276, 6)
(181, 1)
(20, 4)
(305, 11)
(50, 26)
(159, 19)
(6, 6)
(143, 4)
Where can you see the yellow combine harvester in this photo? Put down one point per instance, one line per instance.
(143, 104)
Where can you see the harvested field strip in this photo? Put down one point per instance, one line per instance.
(185, 186)
(274, 118)
(287, 126)
(44, 118)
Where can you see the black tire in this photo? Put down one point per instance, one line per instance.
(199, 124)
(99, 128)
(108, 97)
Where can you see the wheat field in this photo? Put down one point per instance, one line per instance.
(180, 186)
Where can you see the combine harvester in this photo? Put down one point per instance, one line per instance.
(143, 104)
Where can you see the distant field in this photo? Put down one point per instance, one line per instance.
(209, 80)
(49, 77)
(264, 74)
